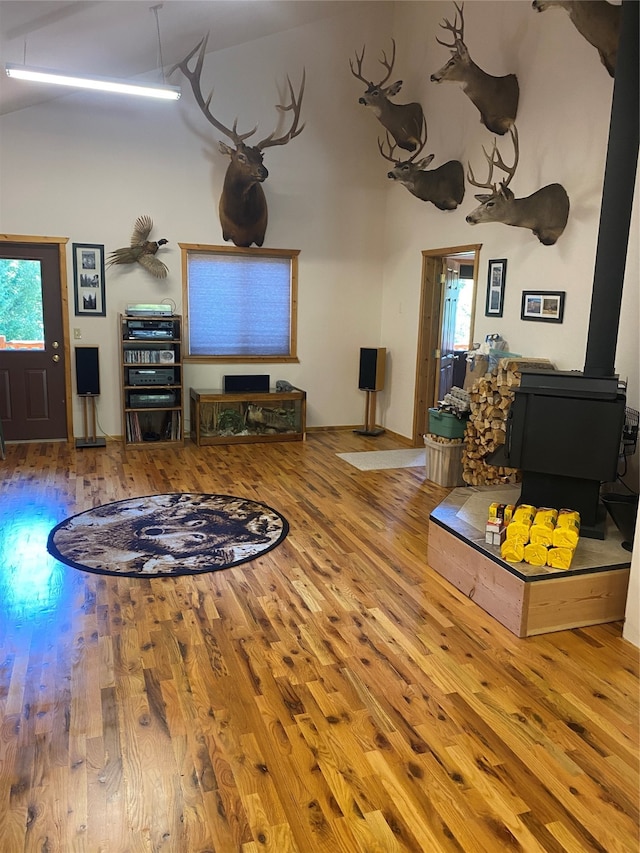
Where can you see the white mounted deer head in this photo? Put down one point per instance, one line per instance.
(443, 186)
(545, 212)
(495, 97)
(402, 121)
(243, 206)
(596, 20)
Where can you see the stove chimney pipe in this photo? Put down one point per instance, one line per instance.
(617, 201)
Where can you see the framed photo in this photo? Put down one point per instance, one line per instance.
(546, 306)
(88, 280)
(495, 287)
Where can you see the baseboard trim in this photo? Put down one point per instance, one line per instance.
(403, 439)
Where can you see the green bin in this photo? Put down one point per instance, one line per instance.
(446, 424)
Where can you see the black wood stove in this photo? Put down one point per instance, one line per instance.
(565, 428)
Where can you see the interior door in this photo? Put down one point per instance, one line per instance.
(430, 335)
(32, 354)
(448, 356)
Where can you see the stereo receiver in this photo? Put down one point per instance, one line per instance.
(150, 330)
(151, 376)
(149, 400)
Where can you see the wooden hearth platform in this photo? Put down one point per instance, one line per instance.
(525, 599)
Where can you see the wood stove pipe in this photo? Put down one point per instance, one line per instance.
(617, 201)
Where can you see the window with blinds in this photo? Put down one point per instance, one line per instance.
(240, 304)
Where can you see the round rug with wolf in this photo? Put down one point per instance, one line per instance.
(171, 534)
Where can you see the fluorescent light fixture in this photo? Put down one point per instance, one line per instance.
(101, 84)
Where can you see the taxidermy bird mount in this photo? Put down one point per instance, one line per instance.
(141, 249)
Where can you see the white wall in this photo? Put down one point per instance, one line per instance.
(563, 126)
(85, 168)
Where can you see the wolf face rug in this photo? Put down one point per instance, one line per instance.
(164, 535)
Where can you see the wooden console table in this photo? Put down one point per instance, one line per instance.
(219, 417)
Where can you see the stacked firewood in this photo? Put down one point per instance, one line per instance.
(491, 397)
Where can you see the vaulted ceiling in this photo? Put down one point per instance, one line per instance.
(127, 38)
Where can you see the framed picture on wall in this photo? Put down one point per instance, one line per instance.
(88, 280)
(495, 287)
(547, 306)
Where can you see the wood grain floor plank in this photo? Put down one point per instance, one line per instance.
(335, 694)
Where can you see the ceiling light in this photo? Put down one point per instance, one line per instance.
(102, 84)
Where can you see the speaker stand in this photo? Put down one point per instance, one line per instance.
(89, 424)
(370, 416)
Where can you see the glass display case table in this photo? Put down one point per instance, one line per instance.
(219, 417)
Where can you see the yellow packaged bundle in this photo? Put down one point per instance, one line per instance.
(501, 511)
(566, 516)
(512, 551)
(520, 524)
(535, 555)
(496, 510)
(546, 515)
(524, 512)
(567, 530)
(544, 523)
(560, 558)
(539, 535)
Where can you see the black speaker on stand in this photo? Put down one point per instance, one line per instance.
(88, 388)
(371, 380)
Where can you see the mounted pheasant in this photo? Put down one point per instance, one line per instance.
(243, 206)
(141, 250)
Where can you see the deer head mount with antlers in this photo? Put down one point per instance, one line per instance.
(243, 206)
(596, 20)
(443, 187)
(545, 212)
(495, 97)
(402, 121)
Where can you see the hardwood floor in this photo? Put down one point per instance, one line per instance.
(334, 695)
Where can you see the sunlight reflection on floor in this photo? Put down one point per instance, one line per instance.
(32, 583)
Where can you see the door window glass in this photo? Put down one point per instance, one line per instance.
(464, 314)
(21, 315)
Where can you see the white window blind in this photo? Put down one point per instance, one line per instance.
(239, 305)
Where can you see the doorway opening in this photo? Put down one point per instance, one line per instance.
(445, 333)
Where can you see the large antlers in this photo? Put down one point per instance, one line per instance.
(237, 138)
(495, 159)
(391, 155)
(243, 205)
(458, 31)
(294, 130)
(194, 78)
(384, 61)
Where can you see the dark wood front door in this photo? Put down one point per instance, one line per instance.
(32, 352)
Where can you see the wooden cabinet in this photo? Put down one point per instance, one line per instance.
(151, 379)
(219, 417)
